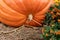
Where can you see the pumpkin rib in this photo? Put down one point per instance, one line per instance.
(33, 23)
(17, 11)
(11, 11)
(8, 8)
(16, 8)
(10, 23)
(34, 6)
(28, 5)
(43, 7)
(24, 8)
(40, 6)
(42, 17)
(36, 16)
(46, 8)
(7, 17)
(36, 21)
(13, 16)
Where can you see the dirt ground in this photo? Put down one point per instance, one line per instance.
(21, 33)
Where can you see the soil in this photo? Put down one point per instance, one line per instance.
(21, 33)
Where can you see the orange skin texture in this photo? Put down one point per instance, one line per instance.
(15, 12)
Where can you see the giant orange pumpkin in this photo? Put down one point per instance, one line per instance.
(16, 12)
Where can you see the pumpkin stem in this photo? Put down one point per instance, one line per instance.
(30, 17)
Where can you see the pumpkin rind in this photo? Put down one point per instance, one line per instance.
(15, 12)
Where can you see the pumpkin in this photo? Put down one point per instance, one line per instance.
(16, 12)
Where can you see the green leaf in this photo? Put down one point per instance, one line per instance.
(47, 29)
(51, 8)
(41, 36)
(58, 6)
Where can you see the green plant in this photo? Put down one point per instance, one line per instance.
(51, 29)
